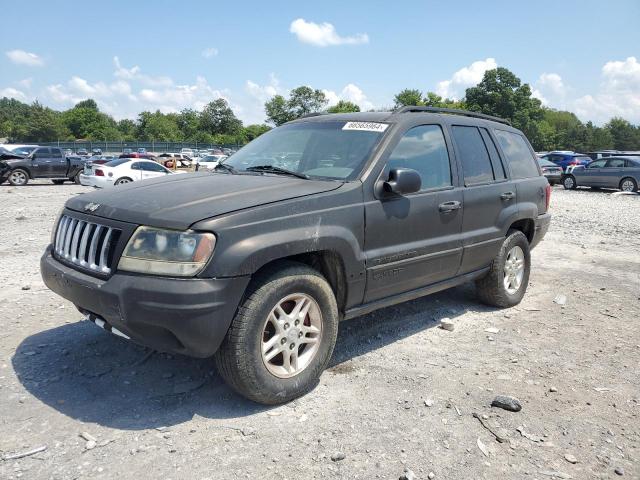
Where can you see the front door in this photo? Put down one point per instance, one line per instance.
(414, 240)
(41, 162)
(592, 174)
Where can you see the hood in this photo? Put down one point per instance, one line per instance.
(178, 201)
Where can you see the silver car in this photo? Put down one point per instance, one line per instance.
(621, 173)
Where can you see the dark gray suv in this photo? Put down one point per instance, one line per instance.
(322, 219)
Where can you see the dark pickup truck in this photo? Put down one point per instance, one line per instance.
(322, 219)
(43, 162)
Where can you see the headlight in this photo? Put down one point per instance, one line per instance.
(167, 252)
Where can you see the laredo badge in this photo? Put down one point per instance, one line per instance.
(366, 126)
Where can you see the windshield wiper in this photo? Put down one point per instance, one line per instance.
(224, 166)
(276, 170)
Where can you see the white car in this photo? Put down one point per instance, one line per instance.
(121, 171)
(210, 161)
(187, 151)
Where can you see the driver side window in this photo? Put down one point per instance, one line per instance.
(597, 164)
(424, 150)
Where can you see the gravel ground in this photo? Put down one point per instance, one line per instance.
(400, 393)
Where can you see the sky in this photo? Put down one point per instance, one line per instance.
(130, 56)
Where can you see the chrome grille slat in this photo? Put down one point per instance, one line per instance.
(85, 244)
(104, 251)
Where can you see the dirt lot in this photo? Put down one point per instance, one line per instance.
(401, 393)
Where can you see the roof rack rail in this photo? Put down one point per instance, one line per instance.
(453, 111)
(312, 114)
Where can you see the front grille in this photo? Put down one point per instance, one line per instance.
(85, 244)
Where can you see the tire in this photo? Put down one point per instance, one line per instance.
(57, 182)
(569, 182)
(240, 359)
(76, 179)
(628, 184)
(18, 177)
(123, 180)
(492, 289)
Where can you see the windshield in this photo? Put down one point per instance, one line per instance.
(328, 149)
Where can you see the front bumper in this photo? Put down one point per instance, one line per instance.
(186, 316)
(542, 227)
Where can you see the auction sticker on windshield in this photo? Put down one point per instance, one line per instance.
(366, 126)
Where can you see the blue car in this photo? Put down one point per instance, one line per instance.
(567, 159)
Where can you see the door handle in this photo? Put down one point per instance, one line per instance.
(449, 206)
(507, 195)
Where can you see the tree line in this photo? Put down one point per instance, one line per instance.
(500, 93)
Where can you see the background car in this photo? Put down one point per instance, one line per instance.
(210, 161)
(82, 152)
(567, 159)
(121, 171)
(96, 151)
(142, 150)
(622, 173)
(182, 160)
(550, 170)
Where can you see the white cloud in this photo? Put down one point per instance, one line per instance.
(135, 73)
(21, 57)
(10, 92)
(465, 77)
(177, 97)
(550, 90)
(323, 34)
(351, 93)
(618, 95)
(210, 52)
(26, 82)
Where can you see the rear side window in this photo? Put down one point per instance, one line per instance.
(520, 159)
(496, 163)
(424, 150)
(476, 164)
(56, 152)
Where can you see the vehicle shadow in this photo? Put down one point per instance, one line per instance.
(89, 375)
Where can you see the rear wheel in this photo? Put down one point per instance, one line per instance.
(506, 282)
(76, 178)
(123, 180)
(18, 177)
(569, 182)
(282, 337)
(628, 184)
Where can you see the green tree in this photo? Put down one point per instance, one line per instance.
(408, 97)
(43, 125)
(344, 106)
(434, 100)
(127, 129)
(251, 132)
(625, 136)
(158, 126)
(302, 101)
(86, 121)
(189, 124)
(502, 94)
(217, 118)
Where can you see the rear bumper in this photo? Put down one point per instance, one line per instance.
(553, 177)
(86, 180)
(542, 226)
(186, 316)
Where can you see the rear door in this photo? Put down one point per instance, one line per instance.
(58, 165)
(414, 240)
(487, 195)
(613, 172)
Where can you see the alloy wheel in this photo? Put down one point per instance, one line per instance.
(18, 177)
(514, 270)
(291, 335)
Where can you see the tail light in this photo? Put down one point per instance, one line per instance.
(99, 173)
(547, 197)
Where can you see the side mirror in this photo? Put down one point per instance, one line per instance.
(402, 181)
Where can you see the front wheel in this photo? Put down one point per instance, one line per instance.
(569, 182)
(506, 282)
(628, 184)
(282, 337)
(18, 177)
